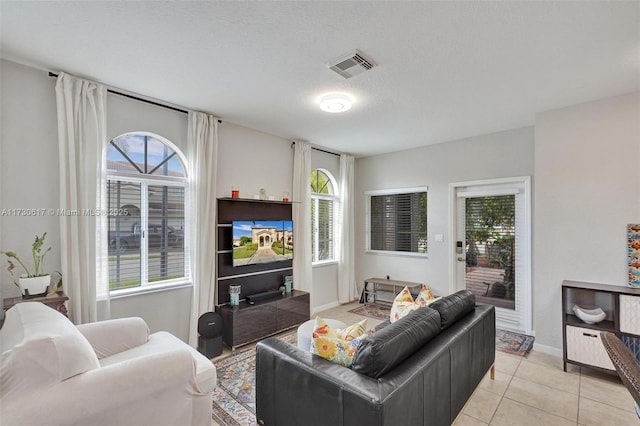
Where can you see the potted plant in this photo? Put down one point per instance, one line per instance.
(34, 281)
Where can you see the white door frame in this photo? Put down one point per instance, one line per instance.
(453, 200)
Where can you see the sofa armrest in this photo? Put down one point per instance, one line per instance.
(157, 389)
(310, 387)
(114, 336)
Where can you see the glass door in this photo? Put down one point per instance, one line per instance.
(492, 249)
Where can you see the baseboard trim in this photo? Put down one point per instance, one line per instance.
(321, 308)
(547, 350)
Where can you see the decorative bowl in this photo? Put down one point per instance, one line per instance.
(590, 316)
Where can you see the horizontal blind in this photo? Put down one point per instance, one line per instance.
(325, 229)
(314, 232)
(165, 232)
(124, 234)
(490, 228)
(156, 242)
(398, 222)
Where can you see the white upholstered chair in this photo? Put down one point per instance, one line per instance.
(105, 373)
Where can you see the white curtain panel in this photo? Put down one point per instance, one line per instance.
(81, 109)
(202, 157)
(347, 290)
(302, 272)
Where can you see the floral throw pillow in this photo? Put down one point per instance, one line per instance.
(339, 345)
(404, 303)
(353, 331)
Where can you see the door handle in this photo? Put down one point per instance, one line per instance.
(461, 259)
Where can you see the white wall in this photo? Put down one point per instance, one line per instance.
(587, 168)
(498, 155)
(325, 277)
(125, 115)
(28, 165)
(251, 160)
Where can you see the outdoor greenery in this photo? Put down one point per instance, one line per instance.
(490, 233)
(245, 251)
(278, 248)
(319, 182)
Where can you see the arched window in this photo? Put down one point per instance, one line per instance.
(323, 206)
(147, 206)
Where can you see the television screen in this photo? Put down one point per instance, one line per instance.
(262, 241)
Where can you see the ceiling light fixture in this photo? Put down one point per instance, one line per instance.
(335, 102)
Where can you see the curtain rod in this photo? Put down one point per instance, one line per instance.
(318, 149)
(126, 95)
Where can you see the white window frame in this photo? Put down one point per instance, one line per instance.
(398, 191)
(314, 224)
(146, 180)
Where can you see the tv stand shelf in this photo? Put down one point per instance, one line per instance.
(248, 323)
(581, 341)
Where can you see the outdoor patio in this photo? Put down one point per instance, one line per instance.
(479, 279)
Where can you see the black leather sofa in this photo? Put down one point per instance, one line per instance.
(419, 370)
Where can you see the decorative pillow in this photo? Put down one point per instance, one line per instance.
(353, 331)
(334, 349)
(404, 303)
(337, 345)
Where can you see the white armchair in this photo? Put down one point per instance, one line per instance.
(105, 373)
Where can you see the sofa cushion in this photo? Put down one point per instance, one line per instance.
(40, 347)
(391, 345)
(454, 307)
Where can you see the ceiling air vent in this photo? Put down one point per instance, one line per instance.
(352, 64)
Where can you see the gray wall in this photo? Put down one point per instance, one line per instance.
(498, 155)
(29, 170)
(587, 191)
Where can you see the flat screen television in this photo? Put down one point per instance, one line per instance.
(262, 241)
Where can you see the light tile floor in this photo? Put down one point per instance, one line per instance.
(534, 390)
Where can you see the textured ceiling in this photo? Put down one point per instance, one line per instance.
(447, 70)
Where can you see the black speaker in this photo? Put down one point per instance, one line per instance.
(210, 331)
(210, 325)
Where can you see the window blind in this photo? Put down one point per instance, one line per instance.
(145, 249)
(124, 234)
(165, 232)
(398, 222)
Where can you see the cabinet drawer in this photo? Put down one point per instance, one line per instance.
(584, 345)
(630, 314)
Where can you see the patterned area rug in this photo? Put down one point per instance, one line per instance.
(513, 343)
(372, 311)
(234, 398)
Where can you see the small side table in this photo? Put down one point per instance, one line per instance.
(55, 301)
